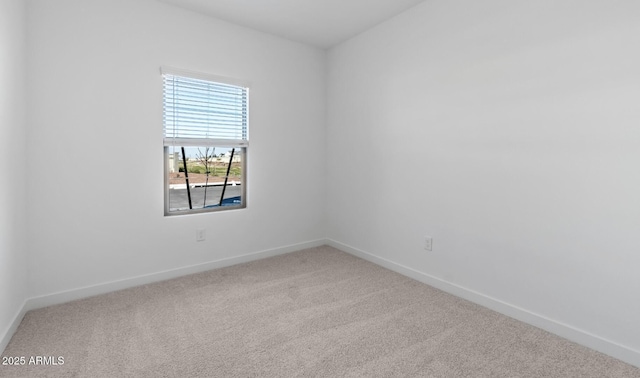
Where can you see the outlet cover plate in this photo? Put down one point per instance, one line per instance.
(428, 243)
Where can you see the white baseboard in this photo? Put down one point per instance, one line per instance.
(11, 329)
(566, 331)
(90, 291)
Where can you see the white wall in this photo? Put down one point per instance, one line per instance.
(508, 131)
(13, 155)
(96, 184)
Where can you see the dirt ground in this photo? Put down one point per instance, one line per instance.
(197, 178)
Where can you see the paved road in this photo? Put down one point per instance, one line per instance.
(178, 197)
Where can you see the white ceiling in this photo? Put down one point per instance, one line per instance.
(321, 23)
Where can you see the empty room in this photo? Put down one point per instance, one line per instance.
(224, 188)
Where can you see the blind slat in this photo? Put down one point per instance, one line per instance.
(200, 142)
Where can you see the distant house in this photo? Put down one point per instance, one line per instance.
(237, 158)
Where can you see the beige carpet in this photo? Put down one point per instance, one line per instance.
(315, 313)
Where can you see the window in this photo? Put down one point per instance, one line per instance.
(205, 143)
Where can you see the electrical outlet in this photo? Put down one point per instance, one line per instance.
(428, 243)
(200, 235)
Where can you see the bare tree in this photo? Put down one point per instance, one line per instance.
(206, 159)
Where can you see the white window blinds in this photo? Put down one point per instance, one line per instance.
(200, 112)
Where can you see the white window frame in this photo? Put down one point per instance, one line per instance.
(242, 143)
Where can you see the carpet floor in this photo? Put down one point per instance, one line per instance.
(314, 313)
